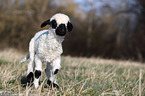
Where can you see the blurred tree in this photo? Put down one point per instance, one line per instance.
(90, 18)
(21, 19)
(107, 28)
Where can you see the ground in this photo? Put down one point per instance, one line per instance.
(78, 76)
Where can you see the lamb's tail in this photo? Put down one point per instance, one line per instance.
(25, 59)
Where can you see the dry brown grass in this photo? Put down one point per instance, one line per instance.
(78, 76)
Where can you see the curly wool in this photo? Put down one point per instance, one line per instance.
(47, 45)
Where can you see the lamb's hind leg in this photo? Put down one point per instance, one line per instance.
(30, 75)
(51, 71)
(38, 71)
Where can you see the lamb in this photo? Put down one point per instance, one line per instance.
(46, 46)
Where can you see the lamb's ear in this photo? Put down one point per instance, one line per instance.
(45, 23)
(69, 26)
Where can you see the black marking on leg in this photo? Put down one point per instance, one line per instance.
(56, 71)
(49, 82)
(37, 74)
(55, 86)
(52, 85)
(30, 77)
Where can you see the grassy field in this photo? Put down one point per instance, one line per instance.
(78, 76)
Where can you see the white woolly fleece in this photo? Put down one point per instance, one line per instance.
(60, 18)
(47, 45)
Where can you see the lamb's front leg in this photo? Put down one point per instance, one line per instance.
(51, 72)
(38, 71)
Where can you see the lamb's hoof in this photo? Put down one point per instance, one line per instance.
(30, 79)
(53, 85)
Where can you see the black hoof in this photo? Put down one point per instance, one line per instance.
(30, 79)
(53, 85)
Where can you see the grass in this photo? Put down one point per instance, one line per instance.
(78, 76)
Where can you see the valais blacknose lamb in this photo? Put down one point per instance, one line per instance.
(46, 46)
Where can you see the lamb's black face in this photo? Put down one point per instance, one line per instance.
(60, 29)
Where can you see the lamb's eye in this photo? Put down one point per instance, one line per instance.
(53, 24)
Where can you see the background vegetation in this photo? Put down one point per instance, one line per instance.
(106, 31)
